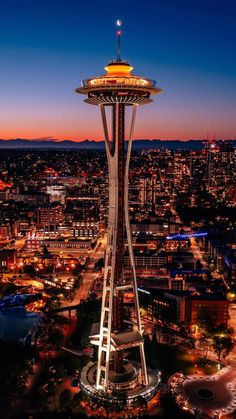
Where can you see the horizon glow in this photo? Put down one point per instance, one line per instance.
(47, 49)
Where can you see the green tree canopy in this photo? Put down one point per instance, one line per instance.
(222, 345)
(206, 319)
(30, 270)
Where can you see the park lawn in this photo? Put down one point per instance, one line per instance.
(169, 359)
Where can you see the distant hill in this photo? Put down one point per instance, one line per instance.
(99, 145)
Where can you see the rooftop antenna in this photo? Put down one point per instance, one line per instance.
(118, 24)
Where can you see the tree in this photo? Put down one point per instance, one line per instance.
(208, 259)
(141, 402)
(53, 303)
(205, 318)
(76, 403)
(72, 362)
(169, 314)
(39, 401)
(170, 408)
(15, 367)
(222, 345)
(212, 267)
(30, 270)
(60, 320)
(77, 270)
(166, 332)
(6, 289)
(46, 251)
(56, 337)
(88, 313)
(204, 343)
(107, 405)
(78, 282)
(183, 329)
(99, 264)
(65, 400)
(51, 388)
(198, 265)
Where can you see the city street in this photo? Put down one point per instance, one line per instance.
(89, 275)
(197, 253)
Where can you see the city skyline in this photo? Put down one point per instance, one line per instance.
(117, 240)
(47, 49)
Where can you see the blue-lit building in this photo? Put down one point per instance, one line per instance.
(17, 324)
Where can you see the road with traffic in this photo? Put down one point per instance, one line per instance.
(89, 274)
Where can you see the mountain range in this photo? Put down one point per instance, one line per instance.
(100, 145)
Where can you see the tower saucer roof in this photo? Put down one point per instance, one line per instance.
(118, 85)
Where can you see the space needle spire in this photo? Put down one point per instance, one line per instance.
(118, 33)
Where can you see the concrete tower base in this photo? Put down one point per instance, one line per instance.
(123, 388)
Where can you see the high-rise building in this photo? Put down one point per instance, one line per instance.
(181, 170)
(220, 165)
(120, 328)
(49, 217)
(147, 192)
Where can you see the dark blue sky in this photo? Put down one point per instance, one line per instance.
(47, 47)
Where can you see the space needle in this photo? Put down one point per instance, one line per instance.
(120, 327)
